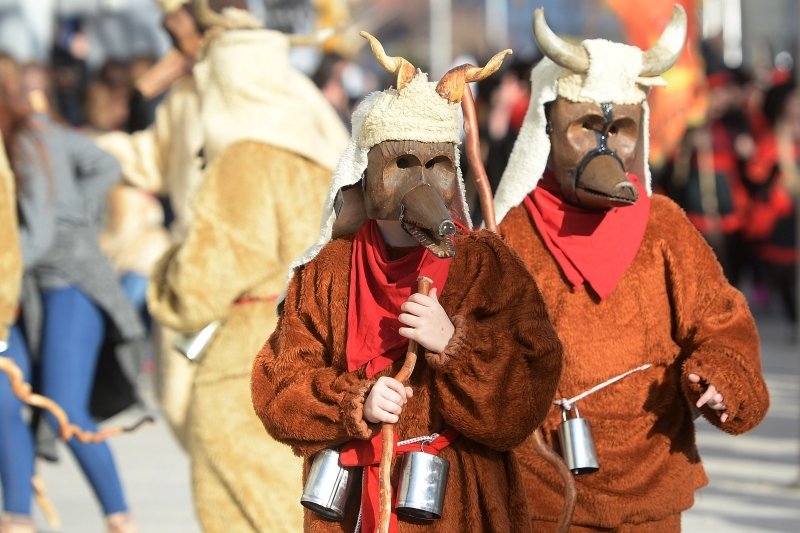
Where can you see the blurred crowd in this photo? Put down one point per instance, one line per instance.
(735, 173)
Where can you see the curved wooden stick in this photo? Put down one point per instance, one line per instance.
(570, 491)
(161, 76)
(45, 503)
(473, 148)
(472, 144)
(23, 391)
(387, 430)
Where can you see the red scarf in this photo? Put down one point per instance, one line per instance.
(378, 287)
(592, 246)
(367, 453)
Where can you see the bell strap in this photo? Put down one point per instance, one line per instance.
(566, 404)
(367, 453)
(244, 300)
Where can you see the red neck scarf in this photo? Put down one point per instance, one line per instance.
(378, 287)
(592, 246)
(367, 453)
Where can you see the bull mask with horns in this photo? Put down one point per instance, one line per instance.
(410, 171)
(588, 110)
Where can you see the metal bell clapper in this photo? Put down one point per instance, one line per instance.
(577, 445)
(423, 481)
(194, 345)
(328, 485)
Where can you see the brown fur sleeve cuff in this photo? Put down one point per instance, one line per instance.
(455, 346)
(352, 409)
(743, 390)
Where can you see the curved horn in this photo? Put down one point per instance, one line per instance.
(395, 64)
(492, 66)
(570, 56)
(662, 55)
(451, 86)
(312, 39)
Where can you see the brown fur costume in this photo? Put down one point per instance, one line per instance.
(248, 225)
(493, 382)
(673, 308)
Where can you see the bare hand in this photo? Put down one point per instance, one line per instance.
(385, 401)
(427, 322)
(710, 397)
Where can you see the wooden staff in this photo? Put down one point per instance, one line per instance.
(68, 430)
(387, 430)
(160, 77)
(472, 145)
(473, 148)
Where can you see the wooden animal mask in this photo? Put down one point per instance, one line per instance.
(414, 182)
(594, 123)
(593, 146)
(409, 136)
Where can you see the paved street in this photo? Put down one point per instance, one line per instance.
(749, 491)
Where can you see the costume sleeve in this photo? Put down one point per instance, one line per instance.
(713, 326)
(232, 245)
(300, 398)
(496, 378)
(10, 257)
(141, 156)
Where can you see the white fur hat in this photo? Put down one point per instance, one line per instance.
(616, 73)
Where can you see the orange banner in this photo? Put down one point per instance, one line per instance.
(684, 101)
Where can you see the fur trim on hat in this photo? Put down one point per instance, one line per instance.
(613, 76)
(416, 113)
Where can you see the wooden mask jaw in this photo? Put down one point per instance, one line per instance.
(592, 148)
(415, 183)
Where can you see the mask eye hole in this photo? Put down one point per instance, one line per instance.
(404, 161)
(613, 130)
(439, 162)
(587, 125)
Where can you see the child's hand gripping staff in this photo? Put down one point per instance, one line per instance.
(379, 407)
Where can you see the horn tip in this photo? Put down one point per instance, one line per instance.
(365, 34)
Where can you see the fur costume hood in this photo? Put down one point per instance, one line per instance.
(269, 101)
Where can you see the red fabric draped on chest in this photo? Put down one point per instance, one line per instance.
(592, 246)
(378, 287)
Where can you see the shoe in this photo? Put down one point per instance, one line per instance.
(120, 523)
(16, 523)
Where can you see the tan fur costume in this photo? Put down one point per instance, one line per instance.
(249, 224)
(270, 139)
(133, 237)
(10, 255)
(164, 159)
